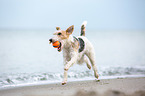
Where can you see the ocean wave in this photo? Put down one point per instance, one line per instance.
(11, 79)
(123, 71)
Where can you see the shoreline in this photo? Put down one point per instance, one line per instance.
(74, 80)
(126, 85)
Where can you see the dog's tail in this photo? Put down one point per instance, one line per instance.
(83, 28)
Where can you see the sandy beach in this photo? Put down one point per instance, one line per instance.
(80, 88)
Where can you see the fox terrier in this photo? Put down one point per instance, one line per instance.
(75, 49)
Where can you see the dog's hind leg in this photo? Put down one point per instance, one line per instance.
(91, 57)
(87, 62)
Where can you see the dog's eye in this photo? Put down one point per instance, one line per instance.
(59, 34)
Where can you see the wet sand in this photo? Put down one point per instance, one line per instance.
(80, 88)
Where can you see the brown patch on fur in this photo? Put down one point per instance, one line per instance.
(57, 28)
(69, 30)
(64, 34)
(83, 29)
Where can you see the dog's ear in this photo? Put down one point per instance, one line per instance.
(69, 30)
(57, 28)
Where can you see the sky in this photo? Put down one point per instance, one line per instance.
(47, 14)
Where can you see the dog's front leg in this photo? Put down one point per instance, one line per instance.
(65, 78)
(67, 66)
(71, 62)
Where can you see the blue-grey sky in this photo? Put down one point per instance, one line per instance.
(47, 14)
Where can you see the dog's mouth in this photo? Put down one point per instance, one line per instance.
(59, 48)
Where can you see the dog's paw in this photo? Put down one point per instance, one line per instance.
(96, 75)
(66, 68)
(89, 66)
(63, 83)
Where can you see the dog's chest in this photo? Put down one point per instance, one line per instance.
(68, 51)
(67, 45)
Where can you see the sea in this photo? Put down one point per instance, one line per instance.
(27, 58)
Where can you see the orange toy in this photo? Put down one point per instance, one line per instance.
(56, 44)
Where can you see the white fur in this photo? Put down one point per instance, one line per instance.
(70, 56)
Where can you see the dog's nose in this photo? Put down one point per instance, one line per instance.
(50, 40)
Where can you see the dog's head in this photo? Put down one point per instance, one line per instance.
(61, 35)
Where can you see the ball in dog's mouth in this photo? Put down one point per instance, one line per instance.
(59, 48)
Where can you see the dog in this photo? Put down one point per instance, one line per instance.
(75, 49)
